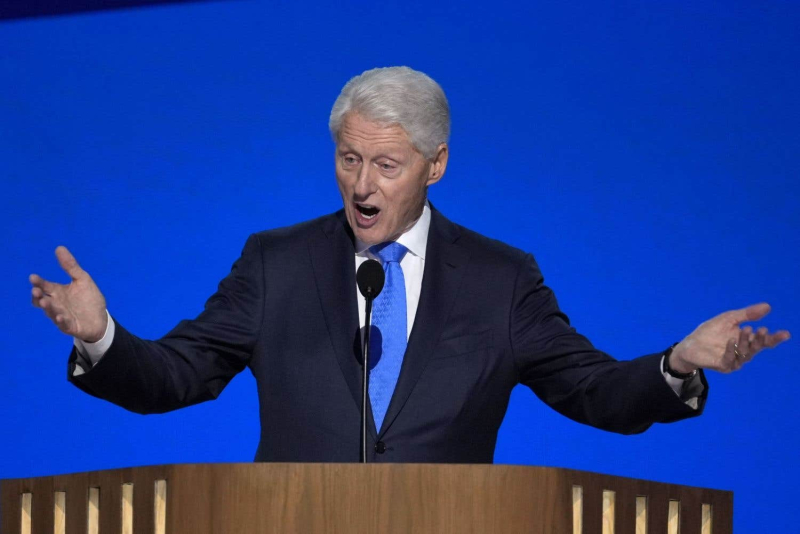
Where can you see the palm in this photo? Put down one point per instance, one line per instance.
(77, 308)
(81, 300)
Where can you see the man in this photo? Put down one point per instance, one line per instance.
(461, 321)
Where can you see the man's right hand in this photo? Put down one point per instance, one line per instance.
(78, 309)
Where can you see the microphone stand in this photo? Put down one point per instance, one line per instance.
(370, 278)
(365, 377)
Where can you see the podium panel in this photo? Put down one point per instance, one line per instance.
(265, 498)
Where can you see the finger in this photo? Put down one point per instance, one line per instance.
(773, 340)
(750, 313)
(51, 307)
(739, 358)
(728, 363)
(69, 263)
(59, 316)
(38, 281)
(743, 344)
(36, 295)
(759, 339)
(38, 292)
(46, 305)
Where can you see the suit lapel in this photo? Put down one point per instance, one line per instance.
(445, 260)
(333, 258)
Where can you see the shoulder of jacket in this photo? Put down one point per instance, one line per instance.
(489, 249)
(299, 231)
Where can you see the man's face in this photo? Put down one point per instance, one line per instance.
(383, 179)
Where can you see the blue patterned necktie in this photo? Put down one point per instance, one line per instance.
(388, 335)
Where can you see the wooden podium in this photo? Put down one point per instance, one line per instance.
(354, 498)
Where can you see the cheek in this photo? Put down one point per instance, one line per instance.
(341, 182)
(411, 197)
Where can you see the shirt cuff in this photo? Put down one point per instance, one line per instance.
(93, 352)
(686, 390)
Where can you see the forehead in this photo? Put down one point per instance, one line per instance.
(358, 133)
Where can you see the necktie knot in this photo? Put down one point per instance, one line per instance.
(390, 251)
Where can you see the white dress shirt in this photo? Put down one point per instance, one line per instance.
(413, 265)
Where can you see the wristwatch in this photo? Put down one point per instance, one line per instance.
(672, 372)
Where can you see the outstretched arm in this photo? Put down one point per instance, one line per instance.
(191, 364)
(568, 373)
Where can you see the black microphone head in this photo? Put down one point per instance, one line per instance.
(370, 278)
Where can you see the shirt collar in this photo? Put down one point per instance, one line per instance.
(415, 239)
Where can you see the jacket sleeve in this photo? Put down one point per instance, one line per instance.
(568, 373)
(193, 362)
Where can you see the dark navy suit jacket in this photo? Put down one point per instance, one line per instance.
(288, 311)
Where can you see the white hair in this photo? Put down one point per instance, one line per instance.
(397, 95)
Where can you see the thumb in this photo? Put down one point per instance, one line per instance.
(754, 312)
(69, 263)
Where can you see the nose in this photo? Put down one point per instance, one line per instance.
(365, 183)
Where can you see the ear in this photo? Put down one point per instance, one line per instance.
(438, 164)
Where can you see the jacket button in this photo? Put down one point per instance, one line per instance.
(380, 447)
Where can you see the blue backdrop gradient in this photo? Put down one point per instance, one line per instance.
(645, 152)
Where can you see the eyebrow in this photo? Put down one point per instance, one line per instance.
(343, 148)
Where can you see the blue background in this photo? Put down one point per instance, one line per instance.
(645, 153)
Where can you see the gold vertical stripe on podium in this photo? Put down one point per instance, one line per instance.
(609, 498)
(127, 509)
(59, 512)
(674, 517)
(160, 510)
(26, 505)
(706, 524)
(93, 512)
(641, 514)
(577, 510)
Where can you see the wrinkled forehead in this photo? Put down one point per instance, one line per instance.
(360, 133)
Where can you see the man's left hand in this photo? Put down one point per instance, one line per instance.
(722, 345)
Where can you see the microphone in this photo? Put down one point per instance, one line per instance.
(370, 279)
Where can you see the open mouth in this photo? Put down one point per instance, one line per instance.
(367, 212)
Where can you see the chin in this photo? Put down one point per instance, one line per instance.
(369, 238)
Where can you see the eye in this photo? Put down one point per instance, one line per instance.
(387, 166)
(349, 160)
